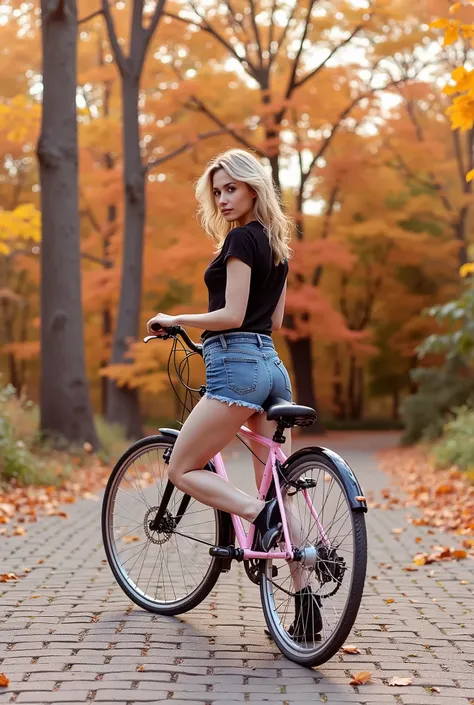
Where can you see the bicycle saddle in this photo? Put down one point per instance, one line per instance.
(279, 409)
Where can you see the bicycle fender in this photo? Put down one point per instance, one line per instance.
(228, 526)
(349, 480)
(170, 432)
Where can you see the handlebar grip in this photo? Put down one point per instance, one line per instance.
(172, 330)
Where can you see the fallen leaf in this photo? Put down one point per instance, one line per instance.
(3, 681)
(397, 531)
(130, 539)
(410, 569)
(464, 582)
(34, 597)
(350, 649)
(418, 539)
(444, 499)
(19, 531)
(40, 561)
(420, 559)
(397, 680)
(6, 577)
(389, 600)
(459, 554)
(435, 689)
(140, 668)
(360, 678)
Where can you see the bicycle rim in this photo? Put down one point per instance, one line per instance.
(167, 571)
(335, 556)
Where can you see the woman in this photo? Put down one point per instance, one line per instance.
(242, 214)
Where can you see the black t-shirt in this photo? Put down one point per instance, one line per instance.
(250, 244)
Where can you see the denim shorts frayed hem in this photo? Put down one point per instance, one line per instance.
(228, 401)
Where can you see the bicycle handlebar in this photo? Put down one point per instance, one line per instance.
(173, 331)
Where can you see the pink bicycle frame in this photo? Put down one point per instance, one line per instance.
(246, 540)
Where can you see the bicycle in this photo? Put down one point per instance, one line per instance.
(195, 543)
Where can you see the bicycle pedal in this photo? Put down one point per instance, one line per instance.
(227, 552)
(221, 552)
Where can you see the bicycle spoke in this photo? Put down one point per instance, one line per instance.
(326, 526)
(170, 563)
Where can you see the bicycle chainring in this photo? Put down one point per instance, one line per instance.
(253, 570)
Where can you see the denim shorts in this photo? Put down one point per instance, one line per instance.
(244, 369)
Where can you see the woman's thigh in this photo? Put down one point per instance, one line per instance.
(208, 429)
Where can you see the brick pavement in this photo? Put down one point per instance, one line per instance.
(69, 634)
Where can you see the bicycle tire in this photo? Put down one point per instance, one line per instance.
(201, 591)
(325, 651)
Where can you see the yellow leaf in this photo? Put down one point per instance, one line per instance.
(451, 34)
(3, 681)
(441, 23)
(470, 175)
(454, 8)
(360, 678)
(466, 269)
(420, 559)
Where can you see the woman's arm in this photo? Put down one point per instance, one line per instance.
(236, 297)
(278, 313)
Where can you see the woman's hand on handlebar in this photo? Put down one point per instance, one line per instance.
(160, 322)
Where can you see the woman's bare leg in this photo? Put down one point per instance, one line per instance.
(211, 425)
(258, 423)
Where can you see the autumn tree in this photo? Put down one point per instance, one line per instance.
(272, 44)
(64, 396)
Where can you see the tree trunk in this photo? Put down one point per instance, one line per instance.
(64, 395)
(395, 404)
(123, 402)
(337, 387)
(359, 408)
(106, 311)
(300, 351)
(355, 391)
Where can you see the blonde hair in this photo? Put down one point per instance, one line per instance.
(243, 166)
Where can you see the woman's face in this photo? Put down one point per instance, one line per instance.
(235, 199)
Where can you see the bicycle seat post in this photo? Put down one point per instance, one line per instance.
(278, 436)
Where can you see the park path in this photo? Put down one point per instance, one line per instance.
(69, 634)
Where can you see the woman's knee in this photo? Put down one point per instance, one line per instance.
(175, 474)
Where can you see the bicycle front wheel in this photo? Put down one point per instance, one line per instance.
(168, 571)
(332, 539)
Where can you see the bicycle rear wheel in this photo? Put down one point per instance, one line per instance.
(168, 571)
(333, 541)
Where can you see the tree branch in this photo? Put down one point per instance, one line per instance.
(90, 17)
(282, 37)
(179, 150)
(313, 73)
(207, 27)
(228, 129)
(157, 15)
(116, 48)
(257, 32)
(292, 83)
